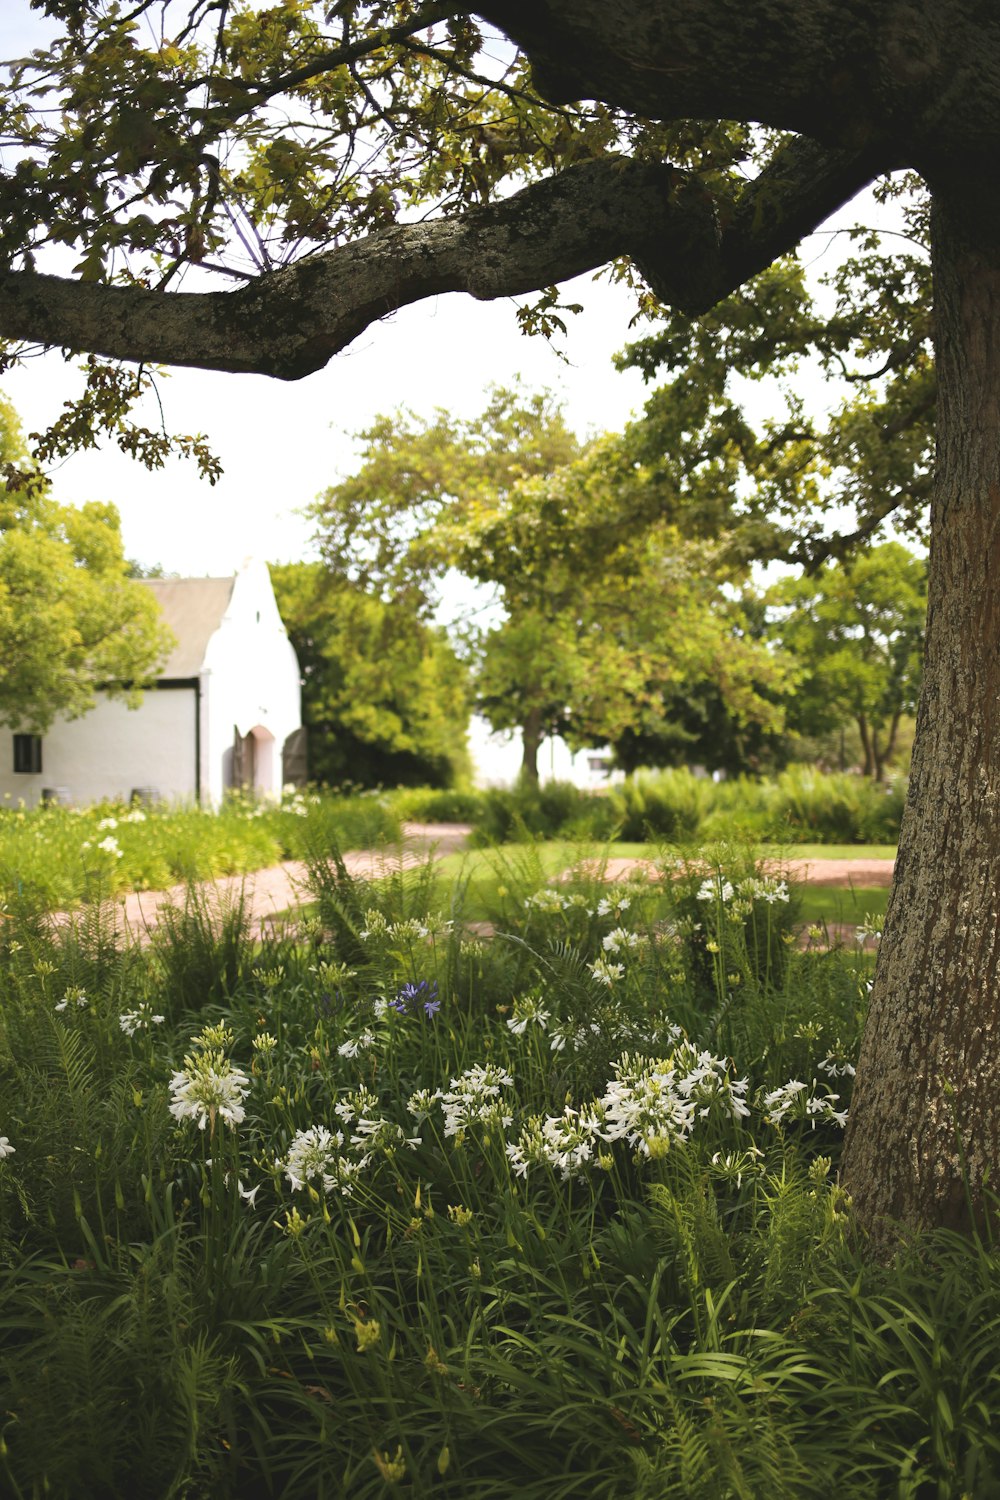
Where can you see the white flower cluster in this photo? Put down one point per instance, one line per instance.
(110, 846)
(551, 901)
(356, 1044)
(834, 1069)
(377, 928)
(139, 1019)
(315, 1155)
(793, 1101)
(613, 905)
(547, 900)
(107, 823)
(752, 888)
(474, 1098)
(208, 1087)
(6, 1149)
(565, 1142)
(606, 973)
(528, 1010)
(653, 1102)
(371, 1130)
(619, 939)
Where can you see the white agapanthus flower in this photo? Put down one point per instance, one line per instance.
(110, 846)
(315, 1156)
(609, 906)
(764, 888)
(107, 823)
(360, 1043)
(605, 972)
(835, 1069)
(73, 996)
(474, 1098)
(620, 939)
(653, 1102)
(566, 1143)
(528, 1010)
(209, 1087)
(793, 1101)
(715, 888)
(131, 1021)
(546, 901)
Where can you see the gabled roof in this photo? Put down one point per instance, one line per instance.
(193, 609)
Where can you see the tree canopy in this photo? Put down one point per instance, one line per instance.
(72, 620)
(856, 629)
(384, 697)
(601, 613)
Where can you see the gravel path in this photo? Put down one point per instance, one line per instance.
(279, 888)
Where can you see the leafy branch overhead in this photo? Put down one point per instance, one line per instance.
(291, 155)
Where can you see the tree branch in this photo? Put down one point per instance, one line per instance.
(290, 322)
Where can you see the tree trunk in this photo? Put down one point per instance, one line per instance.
(531, 734)
(924, 1128)
(866, 745)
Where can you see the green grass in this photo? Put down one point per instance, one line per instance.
(828, 851)
(841, 905)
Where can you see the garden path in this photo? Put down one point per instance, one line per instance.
(281, 888)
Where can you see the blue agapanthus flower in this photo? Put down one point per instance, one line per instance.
(420, 996)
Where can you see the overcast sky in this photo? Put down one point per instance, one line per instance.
(281, 444)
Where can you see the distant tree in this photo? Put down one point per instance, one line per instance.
(384, 696)
(72, 621)
(856, 628)
(599, 615)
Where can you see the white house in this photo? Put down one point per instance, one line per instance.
(225, 711)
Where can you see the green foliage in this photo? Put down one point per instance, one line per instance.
(555, 807)
(801, 805)
(57, 855)
(856, 629)
(72, 620)
(691, 1318)
(384, 696)
(773, 489)
(605, 609)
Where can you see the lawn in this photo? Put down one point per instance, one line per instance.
(374, 1206)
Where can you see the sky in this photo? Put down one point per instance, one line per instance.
(281, 444)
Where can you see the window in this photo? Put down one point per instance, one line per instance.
(28, 753)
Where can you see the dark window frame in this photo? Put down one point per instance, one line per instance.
(28, 754)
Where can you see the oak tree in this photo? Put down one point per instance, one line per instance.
(327, 163)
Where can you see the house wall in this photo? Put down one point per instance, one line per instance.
(112, 750)
(250, 682)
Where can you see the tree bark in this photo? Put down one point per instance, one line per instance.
(924, 1130)
(531, 735)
